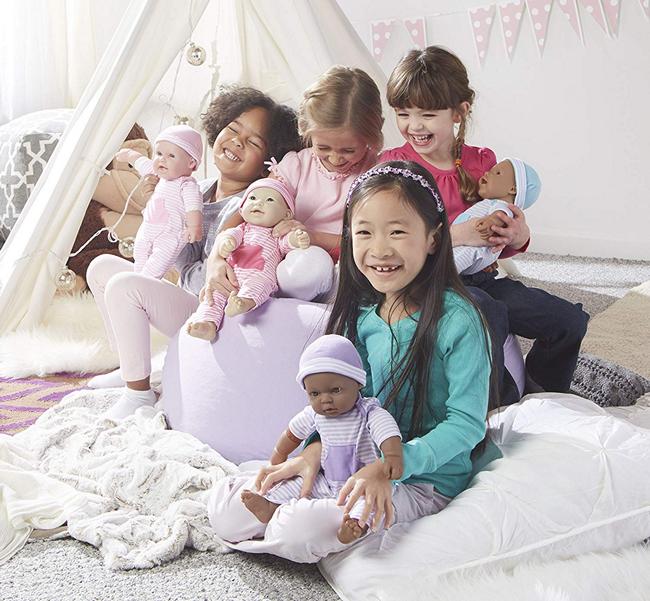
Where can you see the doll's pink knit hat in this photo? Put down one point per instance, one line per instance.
(276, 184)
(331, 354)
(186, 137)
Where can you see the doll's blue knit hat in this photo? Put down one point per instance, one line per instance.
(527, 182)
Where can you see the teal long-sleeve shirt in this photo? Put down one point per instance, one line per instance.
(454, 422)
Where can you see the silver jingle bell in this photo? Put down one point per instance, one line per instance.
(125, 247)
(66, 280)
(195, 55)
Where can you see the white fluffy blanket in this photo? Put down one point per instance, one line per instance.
(136, 491)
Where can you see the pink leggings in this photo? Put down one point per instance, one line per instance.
(131, 302)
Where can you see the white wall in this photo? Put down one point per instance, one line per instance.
(579, 115)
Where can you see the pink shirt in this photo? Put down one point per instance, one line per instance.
(320, 194)
(476, 161)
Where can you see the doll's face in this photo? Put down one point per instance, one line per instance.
(265, 207)
(498, 182)
(171, 161)
(331, 394)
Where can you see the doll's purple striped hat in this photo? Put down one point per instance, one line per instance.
(331, 354)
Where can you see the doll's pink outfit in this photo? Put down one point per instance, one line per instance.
(254, 261)
(161, 237)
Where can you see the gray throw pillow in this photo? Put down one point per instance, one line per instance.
(26, 144)
(607, 384)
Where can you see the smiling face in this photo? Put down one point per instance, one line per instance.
(390, 242)
(340, 150)
(265, 207)
(171, 161)
(240, 148)
(499, 182)
(430, 132)
(331, 394)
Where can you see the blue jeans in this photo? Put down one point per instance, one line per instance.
(556, 325)
(496, 316)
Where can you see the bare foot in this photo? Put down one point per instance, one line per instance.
(237, 305)
(260, 507)
(202, 329)
(350, 530)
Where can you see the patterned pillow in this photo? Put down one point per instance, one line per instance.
(26, 144)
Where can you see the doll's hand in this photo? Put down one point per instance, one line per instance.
(225, 245)
(515, 231)
(148, 184)
(393, 466)
(285, 226)
(299, 239)
(369, 482)
(484, 225)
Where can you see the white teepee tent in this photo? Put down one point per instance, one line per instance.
(279, 47)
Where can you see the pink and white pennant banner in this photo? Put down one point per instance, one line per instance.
(381, 32)
(570, 10)
(612, 10)
(645, 5)
(595, 9)
(539, 11)
(511, 14)
(481, 19)
(416, 29)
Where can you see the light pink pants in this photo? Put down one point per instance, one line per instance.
(303, 530)
(129, 303)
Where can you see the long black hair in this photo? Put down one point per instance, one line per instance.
(411, 373)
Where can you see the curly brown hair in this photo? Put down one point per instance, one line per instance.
(232, 101)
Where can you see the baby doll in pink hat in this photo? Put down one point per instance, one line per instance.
(253, 252)
(173, 216)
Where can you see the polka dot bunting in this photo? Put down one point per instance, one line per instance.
(511, 14)
(539, 12)
(481, 19)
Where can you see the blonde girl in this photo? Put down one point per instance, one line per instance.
(425, 352)
(340, 121)
(430, 92)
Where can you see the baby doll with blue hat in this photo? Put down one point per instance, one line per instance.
(509, 182)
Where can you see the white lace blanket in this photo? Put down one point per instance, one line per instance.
(140, 489)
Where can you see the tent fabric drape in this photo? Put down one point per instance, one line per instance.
(148, 38)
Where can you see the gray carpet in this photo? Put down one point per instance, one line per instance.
(68, 570)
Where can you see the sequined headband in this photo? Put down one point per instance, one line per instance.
(395, 171)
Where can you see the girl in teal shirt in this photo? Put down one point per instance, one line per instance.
(427, 359)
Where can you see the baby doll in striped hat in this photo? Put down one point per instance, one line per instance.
(174, 214)
(254, 254)
(351, 427)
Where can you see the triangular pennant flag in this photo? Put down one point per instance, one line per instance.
(511, 14)
(416, 29)
(481, 19)
(595, 9)
(381, 32)
(570, 10)
(645, 5)
(539, 11)
(612, 10)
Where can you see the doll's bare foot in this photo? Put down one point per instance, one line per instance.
(261, 508)
(350, 530)
(207, 330)
(237, 305)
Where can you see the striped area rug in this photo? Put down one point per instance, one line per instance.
(22, 400)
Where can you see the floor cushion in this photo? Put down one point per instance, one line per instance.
(239, 393)
(573, 479)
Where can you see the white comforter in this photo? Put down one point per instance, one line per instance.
(136, 491)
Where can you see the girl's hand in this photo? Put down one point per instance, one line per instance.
(372, 483)
(285, 226)
(307, 465)
(219, 277)
(149, 183)
(515, 231)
